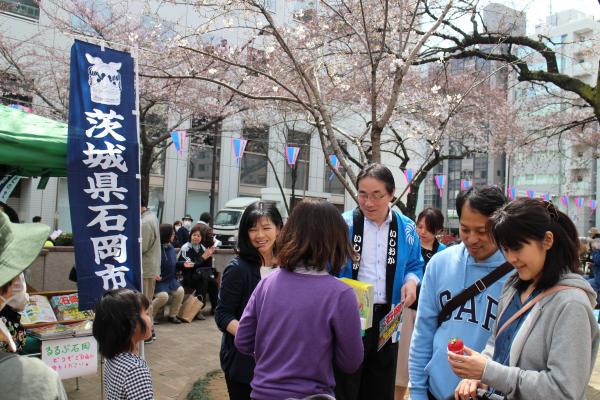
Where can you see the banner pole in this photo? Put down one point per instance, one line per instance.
(136, 54)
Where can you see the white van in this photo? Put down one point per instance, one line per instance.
(227, 220)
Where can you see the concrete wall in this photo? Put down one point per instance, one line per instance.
(50, 271)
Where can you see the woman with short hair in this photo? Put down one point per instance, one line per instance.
(301, 321)
(195, 262)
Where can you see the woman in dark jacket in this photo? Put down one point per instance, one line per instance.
(259, 226)
(195, 262)
(168, 285)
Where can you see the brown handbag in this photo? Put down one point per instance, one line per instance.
(190, 308)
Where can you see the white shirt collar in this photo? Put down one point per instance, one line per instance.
(387, 221)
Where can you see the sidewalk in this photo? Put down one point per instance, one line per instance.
(184, 353)
(180, 356)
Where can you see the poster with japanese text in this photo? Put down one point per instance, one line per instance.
(103, 171)
(72, 357)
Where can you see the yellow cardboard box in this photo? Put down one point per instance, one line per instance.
(365, 296)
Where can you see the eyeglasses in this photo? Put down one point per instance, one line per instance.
(373, 197)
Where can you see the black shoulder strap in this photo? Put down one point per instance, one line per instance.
(5, 356)
(473, 290)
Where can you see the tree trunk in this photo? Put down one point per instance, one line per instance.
(376, 143)
(145, 167)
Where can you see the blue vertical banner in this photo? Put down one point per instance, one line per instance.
(103, 171)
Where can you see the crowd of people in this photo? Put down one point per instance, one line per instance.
(512, 291)
(177, 261)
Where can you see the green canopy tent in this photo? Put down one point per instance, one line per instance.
(31, 145)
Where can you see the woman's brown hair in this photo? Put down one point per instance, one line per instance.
(315, 236)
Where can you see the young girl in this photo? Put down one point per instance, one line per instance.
(300, 320)
(259, 226)
(545, 339)
(121, 322)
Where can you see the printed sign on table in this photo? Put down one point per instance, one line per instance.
(103, 171)
(71, 357)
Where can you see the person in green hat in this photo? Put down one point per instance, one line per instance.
(22, 377)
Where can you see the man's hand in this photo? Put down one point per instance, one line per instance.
(409, 292)
(157, 278)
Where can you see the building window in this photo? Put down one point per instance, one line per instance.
(304, 10)
(432, 194)
(271, 5)
(332, 184)
(254, 164)
(201, 150)
(297, 176)
(255, 58)
(14, 90)
(24, 8)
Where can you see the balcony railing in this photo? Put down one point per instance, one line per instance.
(31, 11)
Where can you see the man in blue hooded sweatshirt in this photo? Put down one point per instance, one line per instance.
(449, 273)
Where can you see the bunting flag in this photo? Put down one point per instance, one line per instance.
(593, 204)
(336, 164)
(579, 202)
(530, 194)
(20, 107)
(465, 184)
(239, 145)
(546, 197)
(512, 192)
(409, 174)
(291, 154)
(440, 180)
(179, 137)
(565, 200)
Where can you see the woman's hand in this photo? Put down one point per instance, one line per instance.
(157, 278)
(469, 366)
(208, 253)
(467, 389)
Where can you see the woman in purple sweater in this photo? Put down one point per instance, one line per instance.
(300, 320)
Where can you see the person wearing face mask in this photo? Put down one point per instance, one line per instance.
(21, 377)
(175, 242)
(10, 317)
(182, 235)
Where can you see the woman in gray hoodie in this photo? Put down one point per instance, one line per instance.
(545, 338)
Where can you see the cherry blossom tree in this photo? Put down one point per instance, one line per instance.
(42, 69)
(348, 68)
(533, 61)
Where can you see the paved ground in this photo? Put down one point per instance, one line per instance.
(180, 356)
(185, 353)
